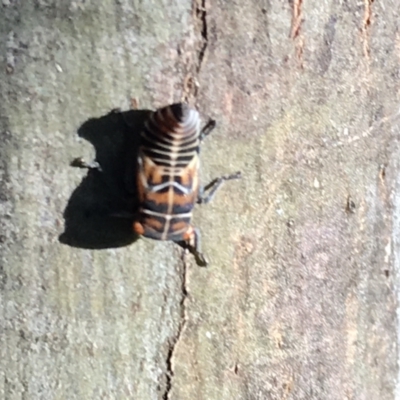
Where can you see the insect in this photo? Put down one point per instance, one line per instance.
(168, 177)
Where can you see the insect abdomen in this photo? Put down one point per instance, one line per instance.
(171, 136)
(168, 172)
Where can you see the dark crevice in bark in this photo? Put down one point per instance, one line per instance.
(296, 18)
(190, 81)
(201, 15)
(175, 340)
(295, 31)
(367, 20)
(169, 373)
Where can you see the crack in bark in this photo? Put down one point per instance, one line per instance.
(201, 15)
(296, 19)
(367, 20)
(191, 87)
(175, 340)
(190, 83)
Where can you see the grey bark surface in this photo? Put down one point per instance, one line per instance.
(300, 299)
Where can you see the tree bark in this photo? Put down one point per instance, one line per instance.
(300, 298)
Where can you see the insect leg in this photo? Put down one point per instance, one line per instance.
(208, 128)
(193, 246)
(79, 162)
(213, 186)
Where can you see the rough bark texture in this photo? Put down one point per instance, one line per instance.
(300, 299)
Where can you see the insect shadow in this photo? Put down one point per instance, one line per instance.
(91, 217)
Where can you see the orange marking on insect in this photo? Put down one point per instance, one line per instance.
(152, 173)
(189, 234)
(138, 228)
(151, 226)
(179, 226)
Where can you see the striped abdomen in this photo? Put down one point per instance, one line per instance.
(168, 173)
